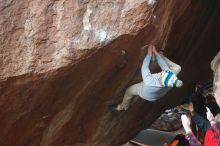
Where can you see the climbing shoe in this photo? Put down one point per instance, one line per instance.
(116, 107)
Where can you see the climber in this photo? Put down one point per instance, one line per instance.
(154, 86)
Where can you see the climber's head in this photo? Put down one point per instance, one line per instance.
(169, 79)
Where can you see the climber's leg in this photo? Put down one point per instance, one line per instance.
(129, 94)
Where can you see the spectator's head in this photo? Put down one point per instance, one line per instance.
(169, 79)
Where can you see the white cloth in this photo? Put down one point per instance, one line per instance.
(186, 124)
(210, 116)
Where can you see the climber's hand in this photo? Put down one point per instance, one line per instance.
(154, 49)
(150, 49)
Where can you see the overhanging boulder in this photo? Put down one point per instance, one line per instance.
(64, 62)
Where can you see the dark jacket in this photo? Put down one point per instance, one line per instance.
(201, 122)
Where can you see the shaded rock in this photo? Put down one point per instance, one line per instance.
(62, 66)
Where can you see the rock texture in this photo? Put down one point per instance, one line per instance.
(215, 66)
(63, 62)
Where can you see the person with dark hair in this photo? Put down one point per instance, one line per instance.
(201, 122)
(210, 102)
(198, 102)
(154, 86)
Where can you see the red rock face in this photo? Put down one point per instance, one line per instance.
(63, 63)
